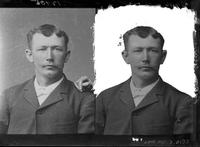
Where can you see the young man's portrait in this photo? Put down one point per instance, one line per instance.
(146, 83)
(38, 91)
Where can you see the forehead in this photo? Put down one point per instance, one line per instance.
(137, 41)
(41, 40)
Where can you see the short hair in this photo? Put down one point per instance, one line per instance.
(143, 32)
(47, 30)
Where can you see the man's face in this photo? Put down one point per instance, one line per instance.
(48, 55)
(145, 56)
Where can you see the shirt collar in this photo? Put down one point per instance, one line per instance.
(141, 91)
(49, 88)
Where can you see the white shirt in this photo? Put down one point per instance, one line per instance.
(139, 93)
(43, 92)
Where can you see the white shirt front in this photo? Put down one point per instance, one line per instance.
(43, 92)
(139, 93)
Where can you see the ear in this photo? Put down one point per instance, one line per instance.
(125, 56)
(67, 56)
(164, 54)
(29, 55)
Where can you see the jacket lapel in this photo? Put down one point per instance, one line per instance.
(57, 94)
(152, 97)
(126, 95)
(30, 94)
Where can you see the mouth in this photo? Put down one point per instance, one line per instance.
(145, 68)
(50, 66)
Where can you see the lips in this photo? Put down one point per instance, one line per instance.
(145, 67)
(49, 66)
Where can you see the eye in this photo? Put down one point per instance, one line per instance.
(41, 49)
(137, 50)
(154, 50)
(58, 48)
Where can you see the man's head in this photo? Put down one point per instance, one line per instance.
(144, 52)
(143, 32)
(47, 50)
(47, 30)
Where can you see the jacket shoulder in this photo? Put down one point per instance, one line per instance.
(14, 92)
(16, 88)
(171, 90)
(112, 91)
(78, 94)
(176, 96)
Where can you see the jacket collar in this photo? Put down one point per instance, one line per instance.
(126, 95)
(151, 98)
(57, 95)
(30, 93)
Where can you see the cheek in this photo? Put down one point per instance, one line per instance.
(156, 61)
(134, 59)
(60, 59)
(38, 58)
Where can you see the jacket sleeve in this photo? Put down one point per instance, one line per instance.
(4, 114)
(87, 113)
(184, 117)
(100, 117)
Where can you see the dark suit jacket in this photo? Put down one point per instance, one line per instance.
(163, 111)
(65, 111)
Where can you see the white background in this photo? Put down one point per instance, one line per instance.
(176, 26)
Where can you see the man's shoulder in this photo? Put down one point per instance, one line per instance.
(71, 86)
(174, 93)
(17, 87)
(113, 90)
(174, 90)
(72, 89)
(12, 93)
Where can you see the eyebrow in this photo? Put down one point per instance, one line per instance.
(56, 46)
(140, 47)
(51, 46)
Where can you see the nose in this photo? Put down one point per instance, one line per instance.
(145, 56)
(49, 54)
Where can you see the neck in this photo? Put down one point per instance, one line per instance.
(46, 81)
(141, 83)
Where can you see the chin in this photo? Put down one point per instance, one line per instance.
(51, 75)
(148, 76)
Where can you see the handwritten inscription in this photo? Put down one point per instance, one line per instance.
(53, 3)
(157, 141)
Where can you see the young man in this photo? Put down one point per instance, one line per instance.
(144, 104)
(48, 103)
